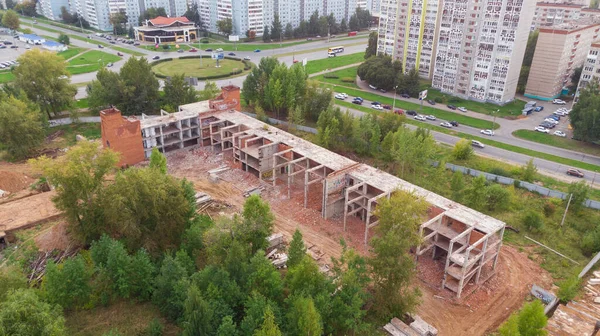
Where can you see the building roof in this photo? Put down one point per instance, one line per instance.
(165, 21)
(32, 37)
(552, 4)
(569, 28)
(53, 44)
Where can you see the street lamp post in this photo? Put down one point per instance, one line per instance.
(394, 104)
(494, 113)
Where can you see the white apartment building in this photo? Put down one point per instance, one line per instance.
(408, 31)
(591, 68)
(548, 14)
(559, 51)
(480, 48)
(51, 8)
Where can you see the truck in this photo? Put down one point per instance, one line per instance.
(352, 33)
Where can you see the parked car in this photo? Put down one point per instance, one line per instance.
(420, 117)
(387, 107)
(193, 50)
(377, 107)
(180, 51)
(136, 43)
(14, 47)
(119, 54)
(383, 90)
(552, 121)
(558, 101)
(344, 94)
(574, 172)
(356, 101)
(358, 98)
(256, 50)
(2, 46)
(247, 58)
(454, 123)
(431, 102)
(446, 124)
(339, 96)
(541, 129)
(462, 109)
(7, 42)
(411, 112)
(405, 95)
(560, 134)
(476, 143)
(538, 109)
(547, 125)
(430, 117)
(487, 132)
(100, 46)
(399, 111)
(109, 65)
(452, 107)
(156, 57)
(112, 42)
(373, 87)
(231, 54)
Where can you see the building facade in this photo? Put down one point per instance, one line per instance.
(559, 51)
(480, 48)
(591, 68)
(52, 8)
(163, 29)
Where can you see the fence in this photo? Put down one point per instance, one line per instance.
(522, 184)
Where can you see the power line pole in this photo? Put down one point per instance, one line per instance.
(566, 210)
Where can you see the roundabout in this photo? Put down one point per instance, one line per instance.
(205, 68)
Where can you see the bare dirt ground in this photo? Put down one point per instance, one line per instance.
(54, 237)
(15, 177)
(476, 314)
(27, 211)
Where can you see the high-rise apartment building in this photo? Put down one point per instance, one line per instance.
(559, 51)
(480, 48)
(548, 14)
(591, 68)
(51, 8)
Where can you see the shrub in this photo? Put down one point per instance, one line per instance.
(533, 220)
(462, 150)
(347, 79)
(498, 198)
(438, 100)
(591, 242)
(331, 76)
(568, 288)
(549, 207)
(500, 172)
(454, 99)
(204, 41)
(155, 328)
(166, 46)
(517, 184)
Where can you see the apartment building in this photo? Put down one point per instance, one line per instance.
(408, 31)
(559, 51)
(591, 68)
(51, 8)
(480, 48)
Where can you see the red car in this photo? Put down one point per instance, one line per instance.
(119, 54)
(400, 112)
(575, 172)
(296, 61)
(387, 107)
(193, 50)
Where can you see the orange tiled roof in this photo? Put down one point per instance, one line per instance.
(165, 21)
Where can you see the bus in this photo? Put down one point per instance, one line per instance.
(335, 50)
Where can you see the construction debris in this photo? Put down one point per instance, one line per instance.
(253, 191)
(3, 193)
(578, 317)
(218, 170)
(279, 260)
(548, 299)
(416, 328)
(37, 268)
(275, 240)
(202, 198)
(79, 138)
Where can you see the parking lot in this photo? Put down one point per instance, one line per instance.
(10, 54)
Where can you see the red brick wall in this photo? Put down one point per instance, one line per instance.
(229, 99)
(123, 136)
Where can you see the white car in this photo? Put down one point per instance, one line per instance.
(339, 96)
(560, 113)
(560, 134)
(446, 124)
(420, 117)
(219, 50)
(377, 107)
(247, 58)
(558, 101)
(542, 129)
(430, 117)
(552, 121)
(344, 94)
(462, 109)
(476, 143)
(487, 132)
(373, 87)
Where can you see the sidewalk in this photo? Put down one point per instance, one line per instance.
(334, 69)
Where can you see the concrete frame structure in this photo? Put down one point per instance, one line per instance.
(342, 187)
(162, 29)
(481, 47)
(559, 51)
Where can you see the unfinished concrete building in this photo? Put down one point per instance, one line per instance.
(468, 242)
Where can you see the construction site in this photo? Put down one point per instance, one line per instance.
(470, 281)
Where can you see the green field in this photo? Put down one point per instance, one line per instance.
(446, 115)
(81, 69)
(553, 140)
(6, 77)
(72, 51)
(334, 62)
(88, 130)
(94, 57)
(191, 67)
(512, 109)
(347, 74)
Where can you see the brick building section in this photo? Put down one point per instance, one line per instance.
(229, 99)
(122, 135)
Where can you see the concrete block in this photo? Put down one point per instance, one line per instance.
(594, 281)
(422, 327)
(596, 274)
(79, 137)
(597, 299)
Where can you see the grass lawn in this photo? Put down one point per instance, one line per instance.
(334, 62)
(552, 140)
(160, 48)
(348, 73)
(126, 317)
(6, 77)
(461, 119)
(72, 51)
(191, 67)
(76, 70)
(512, 109)
(82, 103)
(88, 130)
(93, 57)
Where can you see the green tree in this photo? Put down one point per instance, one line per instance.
(64, 39)
(11, 278)
(227, 327)
(10, 19)
(380, 71)
(141, 275)
(462, 150)
(306, 279)
(193, 14)
(269, 327)
(295, 118)
(289, 31)
(266, 37)
(510, 327)
(529, 171)
(497, 197)
(575, 76)
(255, 308)
(392, 265)
(579, 192)
(457, 185)
(303, 317)
(67, 284)
(264, 278)
(276, 28)
(585, 116)
(568, 288)
(23, 313)
(171, 289)
(409, 83)
(78, 177)
(178, 92)
(258, 222)
(413, 149)
(210, 91)
(372, 45)
(197, 314)
(344, 25)
(152, 13)
(43, 76)
(21, 130)
(474, 195)
(225, 26)
(297, 250)
(532, 319)
(26, 8)
(158, 161)
(131, 32)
